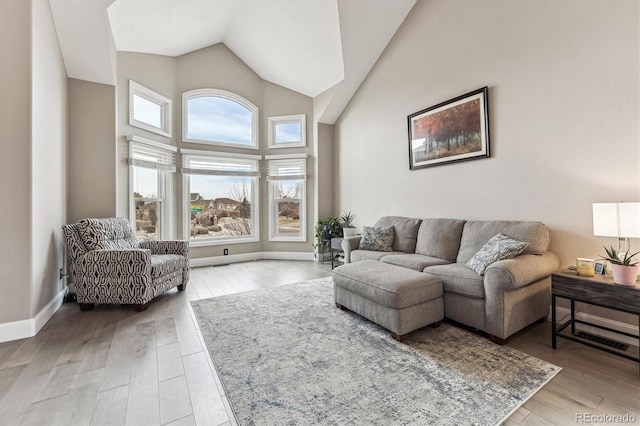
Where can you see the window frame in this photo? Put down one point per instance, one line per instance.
(272, 123)
(137, 89)
(186, 198)
(273, 180)
(218, 93)
(165, 186)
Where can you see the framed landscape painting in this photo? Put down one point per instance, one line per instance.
(455, 130)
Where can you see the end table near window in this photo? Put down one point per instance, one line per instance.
(336, 248)
(599, 291)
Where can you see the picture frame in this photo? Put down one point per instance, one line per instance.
(600, 268)
(452, 131)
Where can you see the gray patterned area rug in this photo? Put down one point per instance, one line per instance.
(288, 356)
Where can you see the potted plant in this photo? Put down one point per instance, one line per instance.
(348, 230)
(326, 229)
(625, 269)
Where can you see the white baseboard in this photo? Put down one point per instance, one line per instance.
(28, 328)
(604, 322)
(247, 257)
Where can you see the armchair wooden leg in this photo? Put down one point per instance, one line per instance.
(142, 307)
(86, 306)
(182, 287)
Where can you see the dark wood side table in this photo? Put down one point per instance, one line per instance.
(599, 291)
(336, 247)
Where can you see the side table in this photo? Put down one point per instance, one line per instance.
(336, 248)
(598, 291)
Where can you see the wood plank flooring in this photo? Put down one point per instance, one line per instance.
(115, 366)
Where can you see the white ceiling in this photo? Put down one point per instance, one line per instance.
(309, 46)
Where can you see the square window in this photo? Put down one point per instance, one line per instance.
(149, 110)
(287, 131)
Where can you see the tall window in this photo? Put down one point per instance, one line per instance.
(149, 110)
(217, 117)
(150, 166)
(220, 196)
(287, 177)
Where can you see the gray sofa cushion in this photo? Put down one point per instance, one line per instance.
(457, 278)
(417, 262)
(360, 255)
(406, 232)
(387, 285)
(476, 234)
(440, 238)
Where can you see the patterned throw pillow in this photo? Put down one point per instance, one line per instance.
(497, 248)
(378, 239)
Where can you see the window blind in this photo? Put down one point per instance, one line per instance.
(286, 169)
(151, 154)
(220, 165)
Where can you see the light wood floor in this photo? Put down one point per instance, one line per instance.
(115, 366)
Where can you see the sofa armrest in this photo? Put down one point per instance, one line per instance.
(114, 263)
(518, 272)
(179, 247)
(348, 245)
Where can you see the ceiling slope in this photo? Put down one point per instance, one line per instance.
(306, 46)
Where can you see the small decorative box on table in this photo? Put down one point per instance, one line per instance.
(598, 291)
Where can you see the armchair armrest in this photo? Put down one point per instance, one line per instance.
(114, 263)
(179, 247)
(349, 244)
(520, 271)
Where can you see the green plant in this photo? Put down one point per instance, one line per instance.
(347, 219)
(614, 257)
(326, 229)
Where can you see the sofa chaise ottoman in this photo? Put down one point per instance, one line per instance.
(398, 299)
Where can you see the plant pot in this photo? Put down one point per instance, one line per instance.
(349, 232)
(624, 275)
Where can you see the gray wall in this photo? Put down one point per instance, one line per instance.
(33, 122)
(92, 150)
(564, 114)
(49, 159)
(212, 67)
(15, 160)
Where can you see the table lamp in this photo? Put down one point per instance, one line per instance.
(621, 220)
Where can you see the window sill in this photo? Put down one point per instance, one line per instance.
(207, 242)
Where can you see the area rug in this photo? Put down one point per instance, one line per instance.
(288, 356)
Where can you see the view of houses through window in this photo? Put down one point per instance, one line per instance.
(216, 216)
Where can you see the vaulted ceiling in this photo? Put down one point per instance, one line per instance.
(311, 46)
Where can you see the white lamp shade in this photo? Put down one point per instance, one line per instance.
(620, 220)
(629, 220)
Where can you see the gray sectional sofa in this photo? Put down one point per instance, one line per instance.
(511, 294)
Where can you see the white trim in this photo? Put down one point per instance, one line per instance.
(137, 89)
(248, 257)
(218, 93)
(272, 122)
(219, 154)
(28, 328)
(284, 156)
(153, 143)
(605, 322)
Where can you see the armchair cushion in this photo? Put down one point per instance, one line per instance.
(112, 233)
(167, 247)
(162, 264)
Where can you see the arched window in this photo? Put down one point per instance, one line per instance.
(218, 117)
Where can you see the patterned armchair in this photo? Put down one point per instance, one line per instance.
(108, 265)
